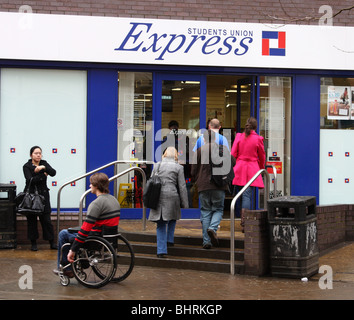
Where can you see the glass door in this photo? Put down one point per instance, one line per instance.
(245, 101)
(230, 99)
(178, 117)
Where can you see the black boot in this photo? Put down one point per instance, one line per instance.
(34, 245)
(53, 246)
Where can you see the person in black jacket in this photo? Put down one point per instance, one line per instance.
(38, 170)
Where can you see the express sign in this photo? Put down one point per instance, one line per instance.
(141, 38)
(156, 41)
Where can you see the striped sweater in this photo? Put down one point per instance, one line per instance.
(103, 212)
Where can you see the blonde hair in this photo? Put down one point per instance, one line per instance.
(170, 152)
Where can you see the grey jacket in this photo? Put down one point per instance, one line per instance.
(172, 177)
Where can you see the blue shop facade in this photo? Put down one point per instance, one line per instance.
(93, 90)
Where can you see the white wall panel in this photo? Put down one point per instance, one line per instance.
(45, 108)
(336, 167)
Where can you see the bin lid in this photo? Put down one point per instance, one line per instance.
(293, 199)
(7, 186)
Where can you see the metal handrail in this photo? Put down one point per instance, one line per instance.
(89, 173)
(232, 212)
(142, 172)
(275, 178)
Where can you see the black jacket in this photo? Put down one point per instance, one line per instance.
(39, 179)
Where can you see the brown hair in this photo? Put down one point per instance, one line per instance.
(214, 124)
(100, 181)
(251, 124)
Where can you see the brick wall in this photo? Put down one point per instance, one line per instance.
(335, 225)
(270, 11)
(256, 245)
(67, 220)
(331, 225)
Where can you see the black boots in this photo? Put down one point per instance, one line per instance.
(53, 246)
(34, 247)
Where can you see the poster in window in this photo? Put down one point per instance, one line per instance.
(339, 103)
(352, 110)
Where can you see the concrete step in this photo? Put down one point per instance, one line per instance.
(187, 253)
(184, 240)
(191, 264)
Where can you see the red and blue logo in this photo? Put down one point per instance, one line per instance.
(273, 43)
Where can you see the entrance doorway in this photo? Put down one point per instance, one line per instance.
(231, 100)
(178, 119)
(158, 109)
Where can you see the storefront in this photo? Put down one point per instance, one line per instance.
(90, 90)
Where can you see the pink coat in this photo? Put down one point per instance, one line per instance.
(250, 158)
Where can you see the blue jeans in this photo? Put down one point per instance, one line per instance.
(165, 231)
(247, 198)
(211, 211)
(64, 237)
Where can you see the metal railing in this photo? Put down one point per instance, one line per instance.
(232, 210)
(142, 172)
(90, 173)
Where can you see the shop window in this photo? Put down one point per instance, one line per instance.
(134, 127)
(336, 141)
(45, 108)
(275, 127)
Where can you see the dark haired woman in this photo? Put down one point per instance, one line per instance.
(248, 150)
(38, 170)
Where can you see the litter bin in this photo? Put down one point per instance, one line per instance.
(7, 216)
(293, 236)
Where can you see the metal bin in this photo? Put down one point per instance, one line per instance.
(7, 216)
(293, 236)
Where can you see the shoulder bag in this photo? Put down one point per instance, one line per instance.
(30, 203)
(151, 194)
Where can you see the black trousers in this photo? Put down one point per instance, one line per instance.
(47, 227)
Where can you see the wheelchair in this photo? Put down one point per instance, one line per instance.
(99, 261)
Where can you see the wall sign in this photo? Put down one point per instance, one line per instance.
(51, 37)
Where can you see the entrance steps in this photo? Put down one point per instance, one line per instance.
(187, 252)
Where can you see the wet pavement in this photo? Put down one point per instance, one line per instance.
(149, 283)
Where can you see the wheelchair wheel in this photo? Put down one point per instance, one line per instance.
(125, 259)
(64, 280)
(95, 263)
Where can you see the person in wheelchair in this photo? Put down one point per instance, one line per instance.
(102, 214)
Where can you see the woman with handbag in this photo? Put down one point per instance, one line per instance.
(36, 171)
(173, 196)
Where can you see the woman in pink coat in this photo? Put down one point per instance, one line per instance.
(248, 150)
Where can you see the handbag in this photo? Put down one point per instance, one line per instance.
(30, 203)
(152, 191)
